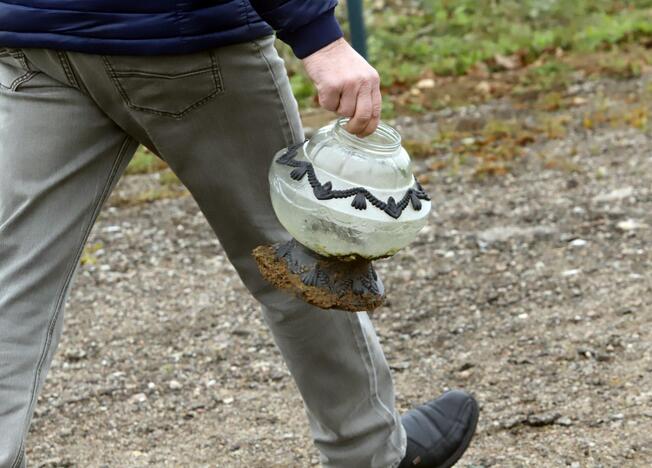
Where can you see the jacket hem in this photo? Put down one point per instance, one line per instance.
(149, 46)
(313, 36)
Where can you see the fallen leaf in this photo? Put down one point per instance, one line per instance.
(508, 62)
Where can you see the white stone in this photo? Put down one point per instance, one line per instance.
(174, 385)
(426, 83)
(630, 225)
(578, 243)
(138, 398)
(614, 195)
(573, 272)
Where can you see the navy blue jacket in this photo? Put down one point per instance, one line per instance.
(152, 27)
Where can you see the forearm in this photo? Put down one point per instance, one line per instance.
(345, 82)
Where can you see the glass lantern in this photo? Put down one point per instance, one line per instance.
(346, 201)
(349, 197)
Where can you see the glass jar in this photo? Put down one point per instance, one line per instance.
(349, 197)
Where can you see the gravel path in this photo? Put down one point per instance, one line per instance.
(533, 290)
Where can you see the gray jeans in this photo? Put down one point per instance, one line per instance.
(69, 124)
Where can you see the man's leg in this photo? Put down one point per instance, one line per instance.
(59, 157)
(334, 356)
(217, 118)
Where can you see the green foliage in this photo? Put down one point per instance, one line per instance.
(412, 39)
(608, 30)
(168, 178)
(448, 37)
(547, 76)
(145, 162)
(302, 88)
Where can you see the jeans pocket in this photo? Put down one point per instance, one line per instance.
(169, 86)
(14, 69)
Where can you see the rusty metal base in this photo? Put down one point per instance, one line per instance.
(328, 283)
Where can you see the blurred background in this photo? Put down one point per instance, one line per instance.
(436, 54)
(528, 123)
(545, 43)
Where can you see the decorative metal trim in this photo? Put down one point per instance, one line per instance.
(313, 270)
(361, 195)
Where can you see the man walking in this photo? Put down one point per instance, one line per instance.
(199, 82)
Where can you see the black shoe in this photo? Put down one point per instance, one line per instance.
(439, 432)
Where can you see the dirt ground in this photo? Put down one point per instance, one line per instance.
(533, 290)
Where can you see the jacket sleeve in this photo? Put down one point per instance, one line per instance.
(306, 25)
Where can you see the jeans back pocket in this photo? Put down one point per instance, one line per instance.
(169, 86)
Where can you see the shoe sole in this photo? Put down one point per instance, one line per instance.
(453, 459)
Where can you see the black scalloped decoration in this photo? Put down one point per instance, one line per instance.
(359, 202)
(361, 195)
(299, 172)
(323, 192)
(416, 203)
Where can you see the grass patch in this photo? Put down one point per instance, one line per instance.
(168, 184)
(149, 196)
(538, 40)
(89, 254)
(553, 74)
(145, 162)
(448, 37)
(167, 178)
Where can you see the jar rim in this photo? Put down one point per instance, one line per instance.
(386, 139)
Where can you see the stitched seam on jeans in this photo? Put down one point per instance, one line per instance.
(217, 81)
(19, 81)
(20, 55)
(21, 454)
(165, 76)
(65, 64)
(402, 451)
(59, 302)
(375, 376)
(22, 80)
(373, 383)
(403, 448)
(284, 113)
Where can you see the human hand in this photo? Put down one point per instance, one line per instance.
(346, 84)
